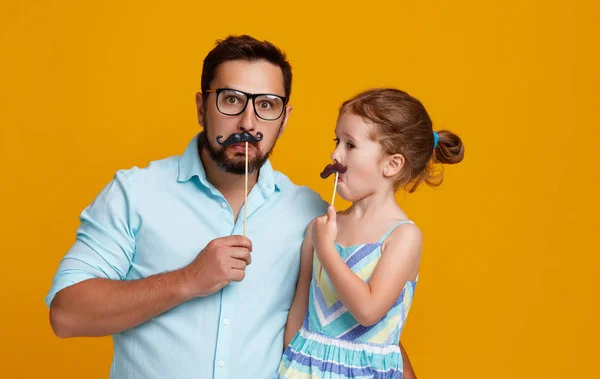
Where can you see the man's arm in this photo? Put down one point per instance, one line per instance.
(409, 372)
(90, 295)
(100, 307)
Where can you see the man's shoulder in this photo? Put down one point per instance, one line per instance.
(165, 167)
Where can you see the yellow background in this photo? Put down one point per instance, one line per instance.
(508, 284)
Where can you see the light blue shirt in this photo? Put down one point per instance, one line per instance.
(155, 219)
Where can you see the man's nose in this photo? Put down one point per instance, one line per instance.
(248, 120)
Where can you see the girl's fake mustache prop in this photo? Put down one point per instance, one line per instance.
(331, 168)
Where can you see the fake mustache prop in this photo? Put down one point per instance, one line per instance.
(331, 168)
(239, 138)
(245, 138)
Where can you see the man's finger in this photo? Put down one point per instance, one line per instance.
(238, 275)
(242, 254)
(238, 264)
(238, 241)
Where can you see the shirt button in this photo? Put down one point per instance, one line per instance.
(223, 205)
(221, 363)
(226, 322)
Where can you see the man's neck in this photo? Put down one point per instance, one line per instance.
(230, 185)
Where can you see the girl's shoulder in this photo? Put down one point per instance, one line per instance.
(404, 234)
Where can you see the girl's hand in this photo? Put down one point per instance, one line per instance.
(324, 230)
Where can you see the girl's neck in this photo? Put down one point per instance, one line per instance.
(381, 204)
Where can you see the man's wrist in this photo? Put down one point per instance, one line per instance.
(182, 283)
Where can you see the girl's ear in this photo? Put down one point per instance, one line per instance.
(393, 165)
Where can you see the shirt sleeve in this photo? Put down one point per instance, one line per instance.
(105, 240)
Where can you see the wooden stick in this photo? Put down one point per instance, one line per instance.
(246, 191)
(319, 277)
(332, 200)
(334, 188)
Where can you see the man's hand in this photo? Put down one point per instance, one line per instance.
(100, 307)
(221, 262)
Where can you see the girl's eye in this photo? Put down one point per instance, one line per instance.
(337, 141)
(350, 145)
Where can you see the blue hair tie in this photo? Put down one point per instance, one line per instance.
(436, 139)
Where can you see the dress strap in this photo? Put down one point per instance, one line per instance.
(386, 235)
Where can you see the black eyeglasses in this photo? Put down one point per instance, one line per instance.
(232, 102)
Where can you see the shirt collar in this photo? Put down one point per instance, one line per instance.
(190, 165)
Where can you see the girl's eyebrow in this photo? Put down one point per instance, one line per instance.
(350, 136)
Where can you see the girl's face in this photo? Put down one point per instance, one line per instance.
(356, 149)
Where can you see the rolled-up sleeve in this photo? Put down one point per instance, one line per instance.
(105, 242)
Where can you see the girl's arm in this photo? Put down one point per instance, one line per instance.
(368, 303)
(300, 302)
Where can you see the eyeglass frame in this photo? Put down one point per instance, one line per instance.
(249, 96)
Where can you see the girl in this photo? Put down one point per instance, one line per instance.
(359, 268)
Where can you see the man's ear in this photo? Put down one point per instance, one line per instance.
(288, 112)
(200, 108)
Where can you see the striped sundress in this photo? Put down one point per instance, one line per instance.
(332, 344)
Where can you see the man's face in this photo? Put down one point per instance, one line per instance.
(258, 77)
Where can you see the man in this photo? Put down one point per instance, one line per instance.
(160, 262)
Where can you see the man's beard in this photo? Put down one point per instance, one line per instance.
(236, 164)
